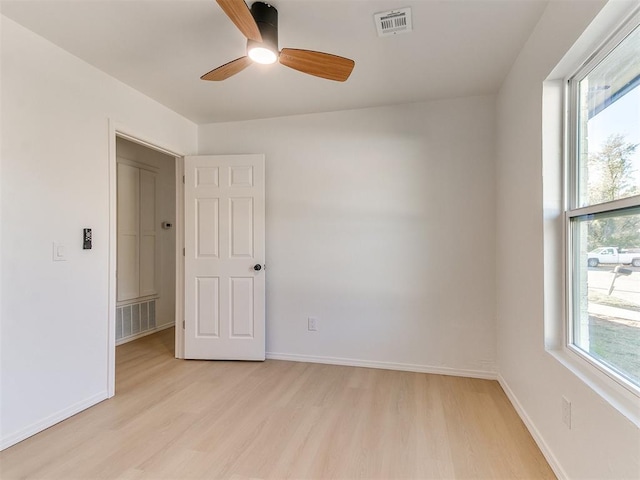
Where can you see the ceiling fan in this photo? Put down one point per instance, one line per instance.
(260, 25)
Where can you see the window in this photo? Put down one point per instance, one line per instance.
(603, 209)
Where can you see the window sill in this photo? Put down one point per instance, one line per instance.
(618, 396)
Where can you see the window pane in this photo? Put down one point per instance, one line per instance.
(606, 297)
(609, 126)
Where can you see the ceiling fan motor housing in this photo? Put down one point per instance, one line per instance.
(266, 16)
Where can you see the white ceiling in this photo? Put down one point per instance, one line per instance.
(162, 47)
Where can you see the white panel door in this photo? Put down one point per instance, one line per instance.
(224, 257)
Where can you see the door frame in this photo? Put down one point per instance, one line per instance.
(117, 129)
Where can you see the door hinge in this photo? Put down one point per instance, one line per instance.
(183, 324)
(182, 178)
(184, 253)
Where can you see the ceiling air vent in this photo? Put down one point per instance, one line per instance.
(393, 22)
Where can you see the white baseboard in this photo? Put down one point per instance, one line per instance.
(537, 437)
(144, 334)
(406, 367)
(51, 420)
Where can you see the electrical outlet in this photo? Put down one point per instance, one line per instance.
(312, 324)
(566, 412)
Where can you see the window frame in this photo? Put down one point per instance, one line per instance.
(572, 209)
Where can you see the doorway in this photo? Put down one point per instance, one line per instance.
(146, 241)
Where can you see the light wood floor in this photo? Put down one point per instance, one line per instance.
(175, 419)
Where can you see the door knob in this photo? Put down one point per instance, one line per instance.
(257, 267)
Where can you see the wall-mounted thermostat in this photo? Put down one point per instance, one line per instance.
(86, 239)
(167, 225)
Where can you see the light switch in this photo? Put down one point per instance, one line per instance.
(59, 252)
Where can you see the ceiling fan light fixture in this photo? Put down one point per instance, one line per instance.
(262, 54)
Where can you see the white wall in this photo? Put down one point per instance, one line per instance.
(165, 212)
(380, 222)
(602, 443)
(55, 181)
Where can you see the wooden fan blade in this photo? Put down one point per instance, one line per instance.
(228, 69)
(324, 65)
(240, 15)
